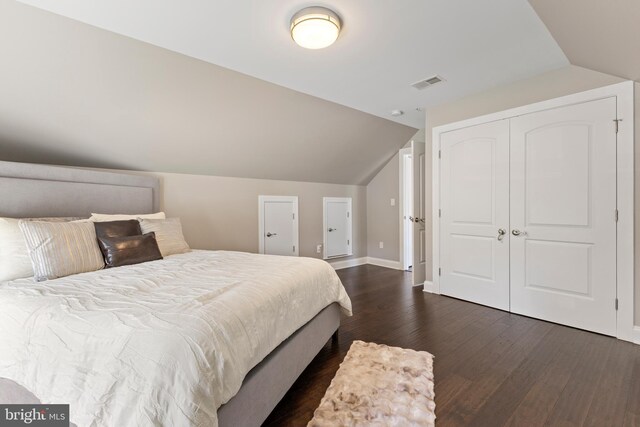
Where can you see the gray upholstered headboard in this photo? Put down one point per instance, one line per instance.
(30, 190)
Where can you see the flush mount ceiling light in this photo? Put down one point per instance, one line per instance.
(315, 27)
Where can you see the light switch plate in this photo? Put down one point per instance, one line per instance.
(319, 249)
(381, 245)
(393, 202)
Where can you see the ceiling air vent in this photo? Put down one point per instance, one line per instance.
(425, 83)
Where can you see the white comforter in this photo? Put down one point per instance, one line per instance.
(161, 343)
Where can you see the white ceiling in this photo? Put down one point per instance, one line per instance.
(384, 47)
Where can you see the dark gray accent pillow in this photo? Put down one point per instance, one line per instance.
(128, 250)
(118, 228)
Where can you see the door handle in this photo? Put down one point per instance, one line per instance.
(501, 233)
(419, 220)
(517, 232)
(332, 229)
(411, 218)
(271, 234)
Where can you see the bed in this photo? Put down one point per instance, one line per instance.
(214, 336)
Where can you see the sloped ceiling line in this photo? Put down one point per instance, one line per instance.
(73, 94)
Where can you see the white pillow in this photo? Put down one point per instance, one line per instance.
(59, 249)
(168, 234)
(14, 255)
(96, 217)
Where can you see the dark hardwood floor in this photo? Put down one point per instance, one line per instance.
(492, 368)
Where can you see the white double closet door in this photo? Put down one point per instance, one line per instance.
(528, 215)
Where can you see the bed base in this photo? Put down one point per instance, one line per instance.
(267, 383)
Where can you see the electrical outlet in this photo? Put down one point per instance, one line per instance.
(319, 249)
(393, 202)
(381, 245)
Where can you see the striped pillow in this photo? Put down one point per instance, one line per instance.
(168, 235)
(59, 249)
(14, 255)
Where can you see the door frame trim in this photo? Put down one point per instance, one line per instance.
(349, 201)
(261, 201)
(401, 199)
(624, 94)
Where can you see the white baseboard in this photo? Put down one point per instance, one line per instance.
(385, 263)
(354, 262)
(636, 334)
(429, 287)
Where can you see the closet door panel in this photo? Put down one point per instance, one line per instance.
(563, 227)
(474, 244)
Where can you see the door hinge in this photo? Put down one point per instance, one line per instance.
(617, 215)
(348, 243)
(617, 122)
(294, 248)
(294, 216)
(439, 154)
(616, 303)
(439, 213)
(439, 271)
(348, 214)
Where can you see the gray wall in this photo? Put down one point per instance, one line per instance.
(222, 212)
(382, 218)
(599, 35)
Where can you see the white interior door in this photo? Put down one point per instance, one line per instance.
(337, 227)
(474, 214)
(278, 225)
(563, 215)
(419, 213)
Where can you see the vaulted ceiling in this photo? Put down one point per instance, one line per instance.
(73, 94)
(219, 88)
(385, 46)
(596, 34)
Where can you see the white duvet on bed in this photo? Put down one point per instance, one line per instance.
(161, 343)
